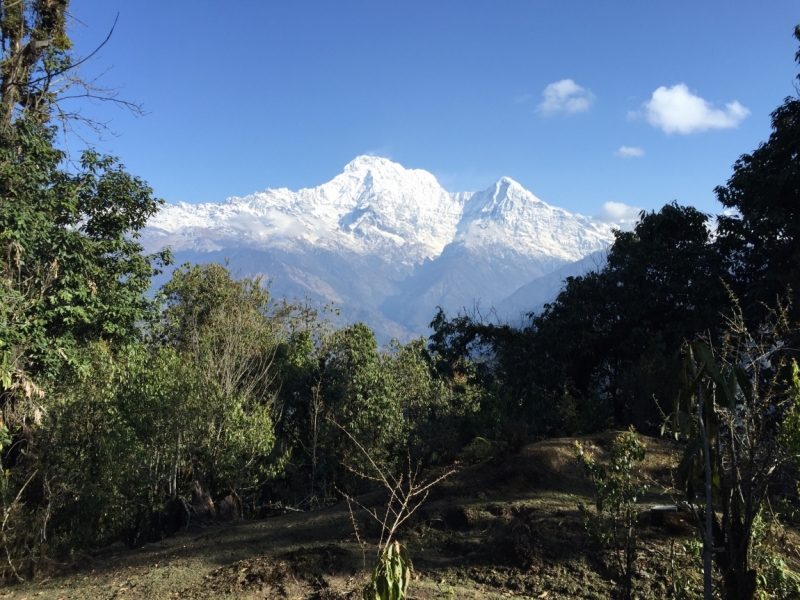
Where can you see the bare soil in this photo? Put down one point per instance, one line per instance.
(506, 527)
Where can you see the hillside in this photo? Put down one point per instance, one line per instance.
(505, 527)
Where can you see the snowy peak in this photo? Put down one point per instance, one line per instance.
(405, 205)
(375, 206)
(504, 198)
(378, 208)
(507, 215)
(385, 171)
(379, 181)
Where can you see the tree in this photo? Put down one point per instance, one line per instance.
(72, 269)
(229, 332)
(35, 52)
(72, 258)
(73, 276)
(730, 412)
(361, 397)
(39, 70)
(761, 244)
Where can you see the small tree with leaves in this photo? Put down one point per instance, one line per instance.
(617, 489)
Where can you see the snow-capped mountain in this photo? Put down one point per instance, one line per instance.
(385, 243)
(374, 207)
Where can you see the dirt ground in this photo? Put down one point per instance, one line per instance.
(506, 527)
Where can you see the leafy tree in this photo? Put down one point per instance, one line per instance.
(361, 397)
(665, 279)
(72, 293)
(72, 269)
(761, 240)
(229, 331)
(89, 458)
(440, 413)
(146, 436)
(610, 339)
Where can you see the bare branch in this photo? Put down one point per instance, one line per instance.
(406, 493)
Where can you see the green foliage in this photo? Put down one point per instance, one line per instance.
(789, 433)
(617, 489)
(72, 269)
(730, 413)
(174, 422)
(774, 578)
(361, 395)
(391, 576)
(439, 412)
(683, 568)
(228, 332)
(760, 240)
(89, 457)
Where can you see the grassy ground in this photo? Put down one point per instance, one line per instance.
(507, 527)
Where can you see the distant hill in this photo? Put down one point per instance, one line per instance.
(388, 245)
(532, 296)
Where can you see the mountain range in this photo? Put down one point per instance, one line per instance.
(387, 245)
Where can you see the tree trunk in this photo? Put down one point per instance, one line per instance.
(738, 579)
(708, 542)
(202, 504)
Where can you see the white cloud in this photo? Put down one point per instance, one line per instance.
(520, 98)
(677, 110)
(620, 214)
(629, 152)
(565, 96)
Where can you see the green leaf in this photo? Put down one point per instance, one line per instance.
(744, 383)
(685, 468)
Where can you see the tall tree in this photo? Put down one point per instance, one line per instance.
(762, 242)
(36, 51)
(71, 267)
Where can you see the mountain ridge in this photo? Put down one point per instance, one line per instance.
(401, 244)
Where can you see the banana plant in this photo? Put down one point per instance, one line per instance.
(392, 574)
(726, 414)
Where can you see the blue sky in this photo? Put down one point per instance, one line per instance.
(250, 94)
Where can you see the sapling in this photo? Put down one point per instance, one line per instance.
(407, 492)
(617, 488)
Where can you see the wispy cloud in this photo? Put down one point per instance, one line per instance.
(629, 152)
(677, 110)
(521, 98)
(619, 213)
(382, 152)
(565, 96)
